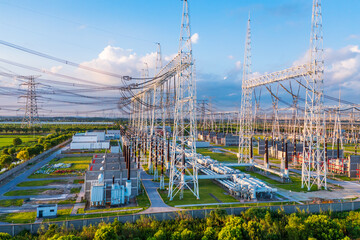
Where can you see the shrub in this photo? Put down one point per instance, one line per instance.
(23, 155)
(105, 233)
(5, 160)
(5, 236)
(17, 141)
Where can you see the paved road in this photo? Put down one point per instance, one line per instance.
(157, 204)
(23, 176)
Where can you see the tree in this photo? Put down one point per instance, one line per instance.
(233, 229)
(47, 145)
(17, 141)
(159, 235)
(322, 227)
(23, 155)
(12, 151)
(5, 160)
(67, 237)
(5, 236)
(105, 233)
(5, 151)
(295, 228)
(209, 234)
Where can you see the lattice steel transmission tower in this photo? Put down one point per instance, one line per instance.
(314, 166)
(246, 119)
(184, 132)
(31, 109)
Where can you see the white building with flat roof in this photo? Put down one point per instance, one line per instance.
(89, 140)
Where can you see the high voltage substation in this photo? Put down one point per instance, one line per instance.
(282, 116)
(165, 117)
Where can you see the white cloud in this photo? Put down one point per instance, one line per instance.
(55, 69)
(121, 61)
(238, 65)
(195, 38)
(342, 66)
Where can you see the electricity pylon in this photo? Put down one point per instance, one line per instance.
(314, 166)
(31, 109)
(184, 133)
(245, 124)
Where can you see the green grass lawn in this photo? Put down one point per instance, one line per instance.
(27, 192)
(78, 181)
(11, 202)
(7, 140)
(67, 201)
(206, 187)
(342, 177)
(106, 209)
(166, 179)
(75, 190)
(221, 157)
(142, 199)
(40, 183)
(41, 175)
(63, 217)
(29, 217)
(231, 148)
(18, 217)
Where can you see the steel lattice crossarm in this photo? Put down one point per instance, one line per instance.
(165, 74)
(286, 74)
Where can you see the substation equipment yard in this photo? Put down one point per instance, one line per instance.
(286, 111)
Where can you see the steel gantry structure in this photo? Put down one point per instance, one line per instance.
(170, 95)
(314, 166)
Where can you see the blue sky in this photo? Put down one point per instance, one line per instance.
(81, 30)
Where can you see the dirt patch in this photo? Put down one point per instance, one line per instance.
(53, 192)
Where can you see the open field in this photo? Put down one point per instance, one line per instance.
(40, 183)
(27, 192)
(7, 140)
(11, 202)
(221, 157)
(166, 178)
(29, 217)
(207, 189)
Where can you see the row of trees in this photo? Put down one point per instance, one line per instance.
(255, 223)
(58, 128)
(16, 153)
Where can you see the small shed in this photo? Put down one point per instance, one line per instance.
(46, 210)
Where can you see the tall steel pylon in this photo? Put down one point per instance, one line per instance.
(184, 132)
(31, 109)
(245, 123)
(314, 166)
(158, 109)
